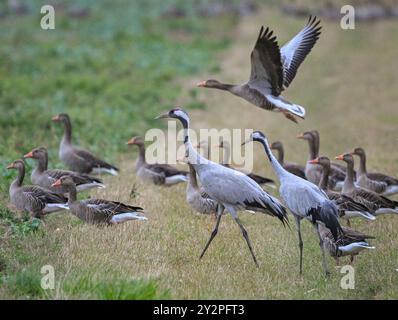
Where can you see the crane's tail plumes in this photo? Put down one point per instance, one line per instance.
(328, 214)
(268, 205)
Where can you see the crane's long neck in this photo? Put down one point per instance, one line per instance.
(67, 138)
(279, 170)
(323, 183)
(193, 182)
(362, 164)
(193, 157)
(349, 178)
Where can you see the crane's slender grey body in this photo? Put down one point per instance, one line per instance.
(231, 189)
(304, 199)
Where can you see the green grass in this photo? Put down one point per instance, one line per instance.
(346, 85)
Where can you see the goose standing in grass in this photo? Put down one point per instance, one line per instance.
(33, 199)
(294, 168)
(349, 243)
(44, 177)
(231, 189)
(78, 159)
(304, 199)
(313, 172)
(225, 145)
(97, 211)
(377, 182)
(348, 208)
(159, 174)
(273, 69)
(376, 203)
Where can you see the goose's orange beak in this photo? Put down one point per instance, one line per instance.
(131, 141)
(28, 155)
(340, 157)
(10, 166)
(314, 161)
(57, 183)
(300, 136)
(55, 118)
(201, 84)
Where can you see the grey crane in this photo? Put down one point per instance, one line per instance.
(304, 199)
(231, 189)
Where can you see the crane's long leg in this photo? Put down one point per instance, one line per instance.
(298, 224)
(220, 210)
(246, 236)
(325, 265)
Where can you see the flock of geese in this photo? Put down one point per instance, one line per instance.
(322, 192)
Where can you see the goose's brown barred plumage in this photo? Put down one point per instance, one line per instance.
(44, 177)
(97, 211)
(79, 159)
(273, 69)
(33, 199)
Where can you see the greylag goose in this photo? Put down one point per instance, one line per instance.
(296, 169)
(160, 174)
(313, 172)
(44, 177)
(377, 182)
(78, 159)
(273, 69)
(33, 199)
(304, 199)
(97, 211)
(349, 242)
(231, 189)
(348, 208)
(376, 203)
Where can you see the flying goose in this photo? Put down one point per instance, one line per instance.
(313, 172)
(273, 69)
(160, 174)
(231, 189)
(33, 199)
(97, 211)
(296, 169)
(376, 203)
(377, 182)
(78, 159)
(304, 199)
(225, 145)
(348, 208)
(349, 243)
(44, 177)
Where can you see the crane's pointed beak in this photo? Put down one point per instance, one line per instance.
(57, 183)
(28, 155)
(314, 161)
(246, 141)
(340, 157)
(163, 116)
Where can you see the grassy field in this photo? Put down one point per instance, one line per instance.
(347, 86)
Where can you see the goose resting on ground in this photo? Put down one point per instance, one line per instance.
(98, 211)
(377, 182)
(33, 199)
(348, 208)
(304, 199)
(231, 189)
(273, 69)
(376, 203)
(349, 243)
(44, 177)
(159, 174)
(296, 169)
(78, 159)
